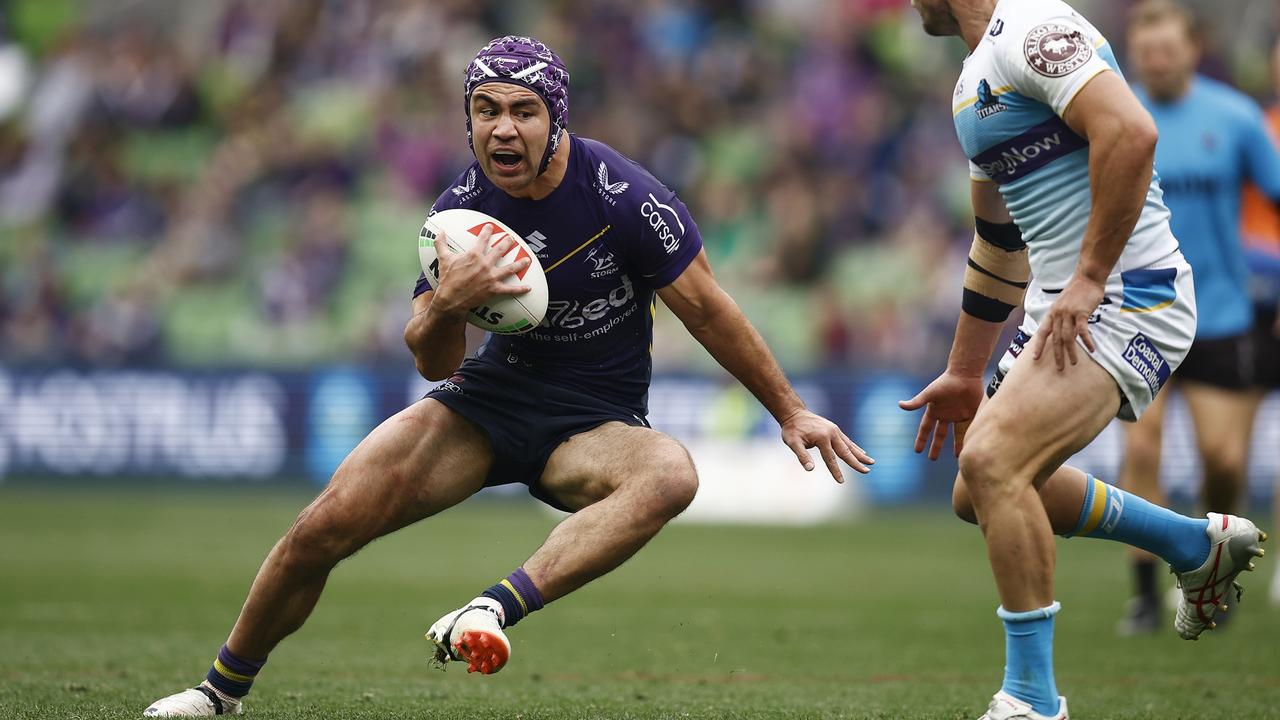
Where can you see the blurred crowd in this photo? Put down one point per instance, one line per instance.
(242, 181)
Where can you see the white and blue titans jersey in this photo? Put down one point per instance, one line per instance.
(1008, 106)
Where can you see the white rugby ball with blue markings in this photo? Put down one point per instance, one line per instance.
(502, 314)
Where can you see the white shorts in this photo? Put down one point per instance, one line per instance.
(1142, 330)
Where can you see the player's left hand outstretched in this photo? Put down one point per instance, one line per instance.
(950, 402)
(803, 430)
(1067, 319)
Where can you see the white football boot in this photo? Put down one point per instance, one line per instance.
(202, 700)
(474, 634)
(1007, 707)
(1233, 543)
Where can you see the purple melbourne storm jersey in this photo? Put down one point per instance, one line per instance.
(608, 237)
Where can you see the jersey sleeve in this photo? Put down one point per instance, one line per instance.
(1052, 61)
(1261, 153)
(976, 174)
(658, 235)
(423, 284)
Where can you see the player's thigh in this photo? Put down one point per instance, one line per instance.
(1223, 420)
(1040, 417)
(422, 460)
(592, 465)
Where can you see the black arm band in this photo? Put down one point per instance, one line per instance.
(1005, 236)
(985, 308)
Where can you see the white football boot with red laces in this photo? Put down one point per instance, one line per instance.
(1233, 543)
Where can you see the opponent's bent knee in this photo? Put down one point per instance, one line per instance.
(986, 473)
(961, 503)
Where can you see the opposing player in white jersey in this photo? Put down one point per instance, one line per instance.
(1069, 221)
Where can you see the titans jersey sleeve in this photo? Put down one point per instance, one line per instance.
(466, 187)
(656, 235)
(1052, 60)
(976, 173)
(1032, 61)
(1261, 154)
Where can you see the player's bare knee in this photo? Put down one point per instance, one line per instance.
(986, 471)
(672, 481)
(961, 503)
(1224, 464)
(321, 537)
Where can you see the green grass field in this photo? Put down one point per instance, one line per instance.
(110, 599)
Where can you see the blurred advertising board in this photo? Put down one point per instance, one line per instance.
(296, 426)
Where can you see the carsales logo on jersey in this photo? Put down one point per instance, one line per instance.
(656, 214)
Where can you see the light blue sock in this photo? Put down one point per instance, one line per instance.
(1113, 514)
(1028, 657)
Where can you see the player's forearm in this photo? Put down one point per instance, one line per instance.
(995, 283)
(974, 342)
(1120, 166)
(438, 342)
(730, 338)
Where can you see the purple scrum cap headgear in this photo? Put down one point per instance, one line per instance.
(529, 63)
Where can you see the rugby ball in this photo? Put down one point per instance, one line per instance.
(501, 314)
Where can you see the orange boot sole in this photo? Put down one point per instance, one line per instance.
(483, 652)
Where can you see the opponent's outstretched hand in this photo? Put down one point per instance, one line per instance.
(804, 430)
(950, 401)
(469, 279)
(1068, 318)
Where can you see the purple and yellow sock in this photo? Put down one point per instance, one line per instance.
(1113, 514)
(518, 596)
(232, 674)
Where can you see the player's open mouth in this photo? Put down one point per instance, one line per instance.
(506, 160)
